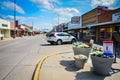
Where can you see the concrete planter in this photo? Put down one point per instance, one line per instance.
(101, 65)
(79, 63)
(84, 51)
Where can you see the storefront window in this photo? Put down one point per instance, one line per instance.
(102, 33)
(2, 32)
(117, 29)
(105, 33)
(90, 32)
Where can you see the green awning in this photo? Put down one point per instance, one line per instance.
(28, 30)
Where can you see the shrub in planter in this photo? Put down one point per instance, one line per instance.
(81, 48)
(97, 48)
(80, 61)
(101, 63)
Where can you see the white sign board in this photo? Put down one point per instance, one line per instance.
(108, 48)
(73, 26)
(116, 16)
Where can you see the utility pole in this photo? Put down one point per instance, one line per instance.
(32, 25)
(32, 28)
(14, 19)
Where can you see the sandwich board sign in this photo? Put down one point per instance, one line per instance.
(108, 48)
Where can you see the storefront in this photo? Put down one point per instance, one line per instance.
(14, 32)
(78, 32)
(23, 31)
(4, 29)
(74, 27)
(28, 31)
(104, 30)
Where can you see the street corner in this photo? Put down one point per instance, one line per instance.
(39, 65)
(55, 67)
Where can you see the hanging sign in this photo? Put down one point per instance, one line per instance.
(108, 48)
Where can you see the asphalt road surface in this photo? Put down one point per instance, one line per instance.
(19, 57)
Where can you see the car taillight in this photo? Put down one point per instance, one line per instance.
(46, 35)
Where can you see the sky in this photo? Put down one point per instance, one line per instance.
(44, 14)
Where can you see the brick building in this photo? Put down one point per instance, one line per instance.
(14, 31)
(107, 24)
(26, 29)
(92, 17)
(99, 23)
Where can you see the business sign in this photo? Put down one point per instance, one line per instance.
(102, 9)
(4, 25)
(116, 16)
(108, 48)
(73, 26)
(16, 23)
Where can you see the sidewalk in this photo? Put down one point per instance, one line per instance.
(10, 38)
(62, 67)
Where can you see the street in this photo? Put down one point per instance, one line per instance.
(19, 57)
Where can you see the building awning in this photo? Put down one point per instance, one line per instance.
(28, 30)
(4, 28)
(106, 23)
(75, 29)
(22, 29)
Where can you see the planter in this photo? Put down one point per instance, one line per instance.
(102, 65)
(84, 51)
(79, 63)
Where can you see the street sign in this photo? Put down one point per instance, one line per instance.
(108, 48)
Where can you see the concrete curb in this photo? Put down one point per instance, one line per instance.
(39, 65)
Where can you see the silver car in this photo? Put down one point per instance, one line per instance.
(60, 37)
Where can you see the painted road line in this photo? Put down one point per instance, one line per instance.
(39, 65)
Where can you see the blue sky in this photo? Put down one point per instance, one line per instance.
(43, 14)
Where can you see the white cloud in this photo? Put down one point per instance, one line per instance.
(108, 3)
(47, 4)
(10, 6)
(69, 12)
(29, 21)
(61, 20)
(44, 10)
(21, 19)
(46, 25)
(65, 14)
(11, 18)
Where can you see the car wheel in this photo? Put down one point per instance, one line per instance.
(59, 42)
(73, 40)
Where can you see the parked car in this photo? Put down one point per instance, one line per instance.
(60, 37)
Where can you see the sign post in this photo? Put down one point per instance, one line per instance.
(108, 48)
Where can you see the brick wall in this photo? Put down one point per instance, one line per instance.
(12, 25)
(105, 17)
(89, 17)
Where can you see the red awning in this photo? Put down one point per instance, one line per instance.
(22, 29)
